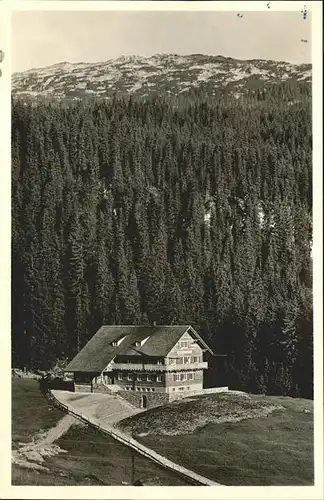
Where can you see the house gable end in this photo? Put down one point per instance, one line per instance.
(197, 337)
(181, 349)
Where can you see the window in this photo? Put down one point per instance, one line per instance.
(184, 343)
(186, 360)
(120, 376)
(159, 378)
(149, 378)
(139, 377)
(173, 388)
(138, 388)
(139, 343)
(129, 376)
(189, 376)
(182, 376)
(153, 390)
(117, 342)
(176, 377)
(179, 361)
(159, 362)
(181, 388)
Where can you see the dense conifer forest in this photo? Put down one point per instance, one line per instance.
(180, 210)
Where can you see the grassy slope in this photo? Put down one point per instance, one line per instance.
(30, 410)
(272, 450)
(92, 458)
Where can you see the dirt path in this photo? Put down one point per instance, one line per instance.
(32, 455)
(109, 409)
(56, 432)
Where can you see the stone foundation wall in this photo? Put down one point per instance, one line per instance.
(99, 387)
(213, 390)
(130, 396)
(176, 396)
(96, 387)
(82, 387)
(136, 398)
(186, 394)
(159, 398)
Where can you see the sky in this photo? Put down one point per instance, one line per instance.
(42, 38)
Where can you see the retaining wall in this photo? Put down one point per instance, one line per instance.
(153, 400)
(102, 388)
(82, 387)
(162, 398)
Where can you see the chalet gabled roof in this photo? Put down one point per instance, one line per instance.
(201, 341)
(99, 351)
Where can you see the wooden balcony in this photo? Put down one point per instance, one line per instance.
(143, 367)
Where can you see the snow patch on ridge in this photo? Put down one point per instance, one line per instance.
(136, 72)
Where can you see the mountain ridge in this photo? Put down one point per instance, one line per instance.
(160, 73)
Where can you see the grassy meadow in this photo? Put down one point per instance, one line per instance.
(90, 458)
(233, 439)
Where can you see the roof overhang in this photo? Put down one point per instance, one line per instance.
(205, 346)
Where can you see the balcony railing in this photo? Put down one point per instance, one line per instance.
(143, 367)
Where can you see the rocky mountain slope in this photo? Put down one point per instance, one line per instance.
(161, 73)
